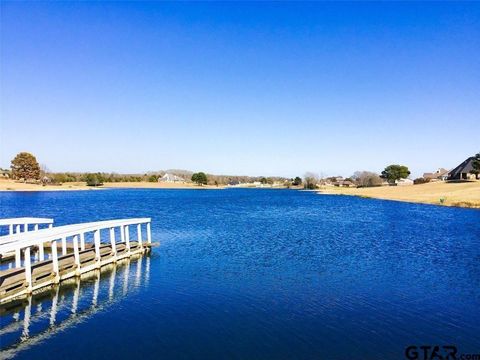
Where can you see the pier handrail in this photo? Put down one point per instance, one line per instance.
(25, 220)
(26, 239)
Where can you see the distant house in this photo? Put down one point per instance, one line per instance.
(463, 171)
(170, 178)
(440, 174)
(403, 182)
(5, 174)
(344, 183)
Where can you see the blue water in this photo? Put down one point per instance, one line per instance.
(266, 274)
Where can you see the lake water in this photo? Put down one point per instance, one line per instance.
(257, 274)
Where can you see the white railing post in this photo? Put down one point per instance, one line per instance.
(10, 229)
(76, 254)
(64, 245)
(17, 229)
(149, 233)
(112, 242)
(50, 226)
(82, 241)
(139, 235)
(127, 238)
(122, 233)
(18, 259)
(41, 252)
(96, 238)
(55, 268)
(25, 227)
(28, 270)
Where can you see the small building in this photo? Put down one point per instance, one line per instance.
(404, 182)
(170, 178)
(440, 174)
(463, 171)
(344, 183)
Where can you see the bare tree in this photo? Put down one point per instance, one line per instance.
(310, 180)
(367, 178)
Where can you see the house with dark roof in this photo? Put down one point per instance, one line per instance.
(440, 174)
(463, 171)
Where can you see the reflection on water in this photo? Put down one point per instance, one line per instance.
(32, 320)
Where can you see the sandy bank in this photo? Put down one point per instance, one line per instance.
(465, 194)
(9, 185)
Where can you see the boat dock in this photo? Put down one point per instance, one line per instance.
(70, 254)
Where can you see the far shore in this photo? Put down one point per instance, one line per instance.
(464, 194)
(10, 185)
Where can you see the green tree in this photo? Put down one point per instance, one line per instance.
(152, 178)
(297, 181)
(476, 164)
(263, 180)
(25, 166)
(200, 178)
(395, 172)
(94, 179)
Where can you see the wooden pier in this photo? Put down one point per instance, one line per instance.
(34, 270)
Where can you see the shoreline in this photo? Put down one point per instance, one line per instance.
(464, 195)
(12, 186)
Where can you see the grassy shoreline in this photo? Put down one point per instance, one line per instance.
(453, 194)
(9, 185)
(465, 194)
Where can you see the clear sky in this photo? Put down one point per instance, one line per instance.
(240, 88)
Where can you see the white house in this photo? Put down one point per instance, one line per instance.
(403, 182)
(170, 178)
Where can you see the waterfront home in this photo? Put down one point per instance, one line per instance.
(463, 171)
(170, 178)
(403, 182)
(441, 174)
(344, 183)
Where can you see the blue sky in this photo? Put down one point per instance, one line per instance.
(240, 88)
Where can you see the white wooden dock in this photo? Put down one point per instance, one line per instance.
(33, 270)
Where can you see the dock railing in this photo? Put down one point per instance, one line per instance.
(82, 258)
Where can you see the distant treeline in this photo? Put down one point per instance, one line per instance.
(212, 179)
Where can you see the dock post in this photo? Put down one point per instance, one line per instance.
(18, 260)
(139, 235)
(64, 245)
(149, 233)
(96, 238)
(55, 261)
(112, 242)
(76, 255)
(82, 241)
(122, 233)
(28, 270)
(41, 252)
(127, 238)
